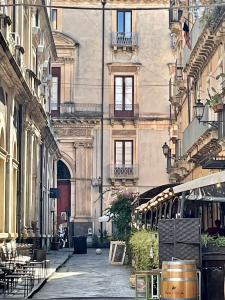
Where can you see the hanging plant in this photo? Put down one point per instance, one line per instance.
(215, 100)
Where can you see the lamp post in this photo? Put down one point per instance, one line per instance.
(199, 109)
(167, 153)
(102, 112)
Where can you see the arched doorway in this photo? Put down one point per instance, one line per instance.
(64, 200)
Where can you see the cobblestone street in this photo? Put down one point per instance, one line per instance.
(88, 276)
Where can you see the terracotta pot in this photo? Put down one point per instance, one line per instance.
(132, 280)
(218, 107)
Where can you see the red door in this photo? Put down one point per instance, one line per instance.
(64, 200)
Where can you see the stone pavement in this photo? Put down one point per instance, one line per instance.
(88, 276)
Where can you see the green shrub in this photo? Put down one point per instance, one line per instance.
(145, 247)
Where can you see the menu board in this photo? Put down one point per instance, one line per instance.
(117, 252)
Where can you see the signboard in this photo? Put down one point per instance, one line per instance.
(117, 252)
(54, 193)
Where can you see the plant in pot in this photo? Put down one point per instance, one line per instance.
(215, 100)
(145, 251)
(213, 243)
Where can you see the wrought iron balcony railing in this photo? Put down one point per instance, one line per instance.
(124, 39)
(123, 171)
(130, 111)
(70, 109)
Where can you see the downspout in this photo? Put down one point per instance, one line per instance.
(19, 181)
(189, 100)
(41, 190)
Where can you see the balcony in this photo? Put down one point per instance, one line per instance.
(176, 91)
(195, 33)
(124, 40)
(131, 112)
(123, 172)
(195, 131)
(174, 20)
(71, 109)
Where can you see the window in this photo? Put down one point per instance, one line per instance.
(37, 18)
(124, 22)
(54, 19)
(55, 97)
(123, 98)
(123, 153)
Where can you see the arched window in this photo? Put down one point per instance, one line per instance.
(63, 171)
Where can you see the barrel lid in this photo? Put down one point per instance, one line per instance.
(178, 262)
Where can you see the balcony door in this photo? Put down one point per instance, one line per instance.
(123, 159)
(124, 96)
(124, 24)
(55, 96)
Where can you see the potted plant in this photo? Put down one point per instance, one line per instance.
(215, 100)
(144, 248)
(213, 243)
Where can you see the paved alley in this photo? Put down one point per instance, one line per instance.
(88, 276)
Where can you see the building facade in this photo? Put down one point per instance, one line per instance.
(196, 76)
(136, 111)
(28, 150)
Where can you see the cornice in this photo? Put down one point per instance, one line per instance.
(119, 3)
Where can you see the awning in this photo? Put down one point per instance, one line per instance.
(200, 182)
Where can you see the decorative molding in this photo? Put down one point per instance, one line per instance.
(124, 67)
(123, 132)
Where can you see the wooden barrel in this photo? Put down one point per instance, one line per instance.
(179, 280)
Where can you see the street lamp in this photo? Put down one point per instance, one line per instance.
(199, 109)
(167, 153)
(166, 149)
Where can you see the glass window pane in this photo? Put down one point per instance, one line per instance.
(129, 93)
(128, 22)
(128, 153)
(120, 21)
(54, 19)
(119, 153)
(54, 96)
(119, 93)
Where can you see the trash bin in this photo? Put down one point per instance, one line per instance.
(80, 244)
(213, 283)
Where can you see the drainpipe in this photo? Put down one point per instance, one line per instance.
(102, 113)
(41, 189)
(19, 181)
(189, 100)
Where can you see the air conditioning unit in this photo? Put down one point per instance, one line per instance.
(63, 216)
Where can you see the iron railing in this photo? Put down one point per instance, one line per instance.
(80, 109)
(124, 171)
(124, 39)
(129, 111)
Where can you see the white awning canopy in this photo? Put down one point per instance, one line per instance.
(218, 177)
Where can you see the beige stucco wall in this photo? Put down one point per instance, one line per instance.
(151, 75)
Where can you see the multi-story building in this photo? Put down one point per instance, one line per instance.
(136, 111)
(197, 139)
(28, 150)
